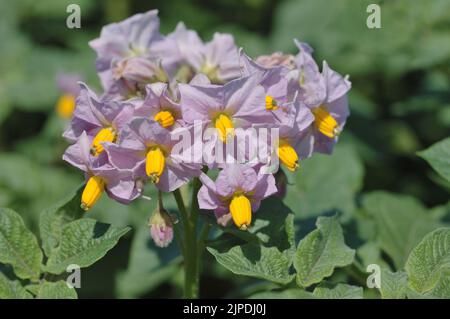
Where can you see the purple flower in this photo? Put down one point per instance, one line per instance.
(100, 174)
(102, 120)
(238, 103)
(236, 193)
(275, 84)
(147, 148)
(290, 147)
(127, 50)
(159, 106)
(325, 94)
(218, 59)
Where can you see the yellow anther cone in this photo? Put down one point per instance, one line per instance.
(154, 164)
(324, 122)
(288, 156)
(92, 192)
(224, 126)
(104, 135)
(241, 211)
(271, 103)
(165, 119)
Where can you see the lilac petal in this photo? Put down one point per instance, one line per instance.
(339, 110)
(246, 99)
(265, 186)
(78, 154)
(222, 51)
(148, 132)
(198, 101)
(207, 198)
(239, 177)
(123, 158)
(323, 144)
(189, 45)
(172, 178)
(122, 188)
(336, 84)
(305, 144)
(123, 117)
(84, 108)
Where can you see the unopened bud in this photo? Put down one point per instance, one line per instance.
(161, 228)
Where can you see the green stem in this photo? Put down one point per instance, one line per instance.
(193, 245)
(190, 251)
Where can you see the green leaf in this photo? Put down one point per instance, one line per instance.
(438, 156)
(321, 251)
(429, 262)
(18, 246)
(393, 284)
(83, 242)
(53, 219)
(327, 183)
(148, 266)
(341, 291)
(256, 261)
(266, 251)
(294, 293)
(402, 221)
(12, 289)
(55, 290)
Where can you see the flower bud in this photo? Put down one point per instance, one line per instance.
(161, 228)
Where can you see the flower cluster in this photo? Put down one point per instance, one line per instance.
(157, 88)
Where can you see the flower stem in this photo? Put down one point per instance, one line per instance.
(193, 245)
(189, 252)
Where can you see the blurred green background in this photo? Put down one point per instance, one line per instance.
(400, 104)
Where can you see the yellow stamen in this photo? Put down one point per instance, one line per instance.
(65, 105)
(154, 164)
(92, 191)
(324, 122)
(165, 118)
(288, 155)
(224, 126)
(271, 103)
(241, 211)
(104, 135)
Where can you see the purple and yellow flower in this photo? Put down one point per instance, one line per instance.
(159, 106)
(100, 175)
(102, 120)
(325, 93)
(236, 193)
(145, 147)
(217, 59)
(238, 103)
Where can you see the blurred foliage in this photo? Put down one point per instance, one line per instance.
(400, 103)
